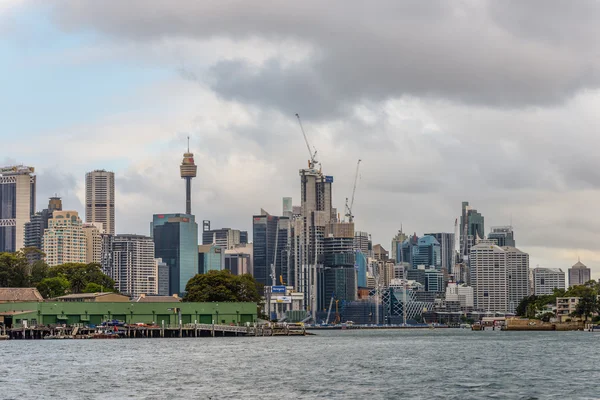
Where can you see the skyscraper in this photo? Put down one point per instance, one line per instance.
(93, 241)
(446, 241)
(176, 243)
(270, 247)
(225, 238)
(579, 274)
(499, 276)
(17, 205)
(473, 223)
(339, 277)
(34, 229)
(503, 235)
(397, 241)
(188, 171)
(64, 240)
(134, 269)
(100, 199)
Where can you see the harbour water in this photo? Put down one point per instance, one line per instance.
(356, 364)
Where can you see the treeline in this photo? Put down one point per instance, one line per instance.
(223, 286)
(16, 271)
(534, 306)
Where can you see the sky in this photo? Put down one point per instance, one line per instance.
(489, 102)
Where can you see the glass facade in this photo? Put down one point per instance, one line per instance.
(361, 269)
(176, 243)
(270, 231)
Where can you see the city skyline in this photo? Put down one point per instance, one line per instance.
(530, 158)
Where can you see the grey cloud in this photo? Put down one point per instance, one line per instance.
(473, 52)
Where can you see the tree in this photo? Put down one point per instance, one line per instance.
(222, 286)
(587, 305)
(92, 288)
(14, 270)
(53, 287)
(80, 275)
(39, 271)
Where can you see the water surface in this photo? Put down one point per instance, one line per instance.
(415, 364)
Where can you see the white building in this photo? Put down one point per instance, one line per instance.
(545, 280)
(93, 241)
(499, 276)
(134, 268)
(64, 240)
(17, 205)
(100, 199)
(460, 293)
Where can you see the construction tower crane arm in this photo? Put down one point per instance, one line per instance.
(349, 207)
(313, 161)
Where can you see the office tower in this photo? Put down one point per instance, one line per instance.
(362, 242)
(288, 208)
(34, 229)
(210, 258)
(237, 263)
(518, 276)
(446, 242)
(431, 278)
(64, 239)
(339, 277)
(176, 243)
(93, 241)
(396, 242)
(225, 238)
(579, 274)
(361, 269)
(270, 248)
(489, 277)
(473, 223)
(163, 277)
(425, 250)
(407, 250)
(188, 171)
(100, 199)
(461, 294)
(503, 235)
(17, 205)
(545, 280)
(499, 276)
(379, 253)
(134, 269)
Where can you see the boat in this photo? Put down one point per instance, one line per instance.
(4, 337)
(591, 328)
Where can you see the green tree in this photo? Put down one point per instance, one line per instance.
(14, 270)
(39, 271)
(587, 305)
(53, 287)
(80, 275)
(92, 288)
(222, 286)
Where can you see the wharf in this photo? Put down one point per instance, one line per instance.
(168, 331)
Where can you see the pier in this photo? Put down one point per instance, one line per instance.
(145, 331)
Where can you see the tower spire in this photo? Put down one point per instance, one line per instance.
(188, 138)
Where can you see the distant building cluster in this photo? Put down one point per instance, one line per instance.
(312, 261)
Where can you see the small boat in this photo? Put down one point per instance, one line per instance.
(591, 328)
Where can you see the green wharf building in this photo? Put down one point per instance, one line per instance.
(94, 313)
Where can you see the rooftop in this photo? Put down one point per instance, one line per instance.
(579, 265)
(19, 294)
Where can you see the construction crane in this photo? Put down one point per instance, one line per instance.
(329, 311)
(312, 163)
(349, 207)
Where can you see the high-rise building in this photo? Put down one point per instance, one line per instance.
(288, 208)
(270, 248)
(339, 277)
(176, 243)
(238, 263)
(135, 270)
(503, 235)
(188, 170)
(518, 276)
(425, 250)
(93, 241)
(100, 199)
(362, 242)
(544, 280)
(361, 269)
(446, 241)
(64, 239)
(379, 253)
(473, 223)
(225, 238)
(499, 276)
(34, 229)
(163, 277)
(579, 274)
(210, 258)
(460, 293)
(397, 241)
(17, 205)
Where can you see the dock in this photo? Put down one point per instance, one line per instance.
(145, 331)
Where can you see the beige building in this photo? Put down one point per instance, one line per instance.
(100, 199)
(565, 306)
(64, 240)
(93, 241)
(17, 205)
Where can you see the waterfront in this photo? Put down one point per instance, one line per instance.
(444, 363)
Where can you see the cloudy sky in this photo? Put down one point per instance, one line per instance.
(491, 102)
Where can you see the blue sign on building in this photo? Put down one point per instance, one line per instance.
(278, 289)
(328, 179)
